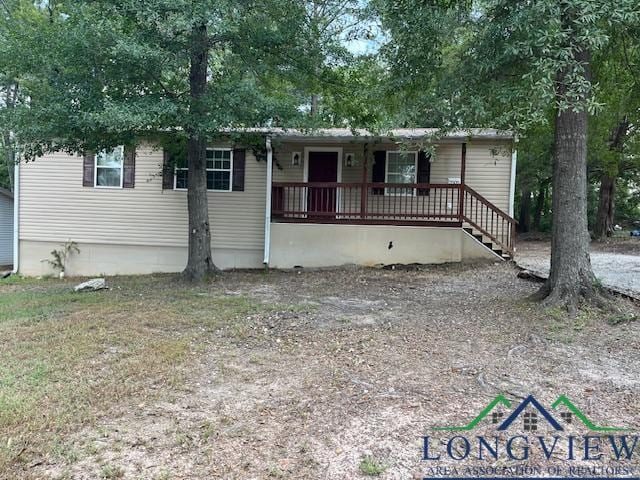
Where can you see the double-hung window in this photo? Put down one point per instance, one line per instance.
(402, 167)
(219, 171)
(109, 168)
(219, 167)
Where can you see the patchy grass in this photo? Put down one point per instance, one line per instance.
(110, 472)
(67, 358)
(372, 467)
(622, 318)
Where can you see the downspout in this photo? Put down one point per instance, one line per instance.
(267, 210)
(16, 213)
(512, 186)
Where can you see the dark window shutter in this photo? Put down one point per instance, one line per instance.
(167, 171)
(238, 169)
(424, 171)
(378, 170)
(129, 167)
(88, 166)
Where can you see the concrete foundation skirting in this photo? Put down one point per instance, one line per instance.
(107, 259)
(321, 245)
(292, 245)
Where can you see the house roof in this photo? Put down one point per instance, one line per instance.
(392, 135)
(6, 193)
(530, 401)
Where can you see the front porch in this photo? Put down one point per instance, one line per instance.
(384, 185)
(338, 197)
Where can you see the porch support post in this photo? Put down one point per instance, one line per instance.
(363, 189)
(463, 169)
(267, 210)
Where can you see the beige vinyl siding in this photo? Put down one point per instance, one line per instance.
(54, 206)
(489, 171)
(284, 171)
(6, 230)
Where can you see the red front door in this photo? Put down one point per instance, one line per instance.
(323, 168)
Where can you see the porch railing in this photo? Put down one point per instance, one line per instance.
(392, 203)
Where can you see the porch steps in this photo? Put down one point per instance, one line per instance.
(488, 244)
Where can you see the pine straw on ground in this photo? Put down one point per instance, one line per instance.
(326, 374)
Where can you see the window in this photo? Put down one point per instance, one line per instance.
(401, 168)
(566, 416)
(219, 168)
(181, 178)
(530, 422)
(109, 168)
(496, 417)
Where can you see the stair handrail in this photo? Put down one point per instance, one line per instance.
(506, 242)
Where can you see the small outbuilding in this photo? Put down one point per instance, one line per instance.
(6, 227)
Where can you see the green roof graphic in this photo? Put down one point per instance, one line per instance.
(563, 400)
(500, 399)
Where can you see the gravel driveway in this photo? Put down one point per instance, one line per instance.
(620, 272)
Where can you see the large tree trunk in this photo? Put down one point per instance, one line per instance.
(524, 219)
(200, 262)
(571, 279)
(604, 218)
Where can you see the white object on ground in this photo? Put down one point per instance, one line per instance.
(91, 285)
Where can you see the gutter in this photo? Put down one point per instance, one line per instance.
(267, 210)
(512, 184)
(16, 214)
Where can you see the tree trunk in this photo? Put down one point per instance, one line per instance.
(571, 278)
(524, 219)
(541, 197)
(200, 262)
(606, 205)
(11, 97)
(314, 105)
(604, 218)
(9, 157)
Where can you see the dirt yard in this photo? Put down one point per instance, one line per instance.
(294, 375)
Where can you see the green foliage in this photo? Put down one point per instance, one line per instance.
(495, 63)
(614, 139)
(60, 256)
(628, 204)
(4, 176)
(370, 466)
(354, 96)
(101, 73)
